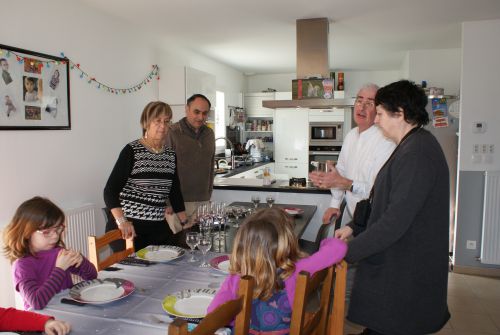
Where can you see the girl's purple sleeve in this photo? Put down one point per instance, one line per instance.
(86, 270)
(228, 291)
(331, 251)
(38, 296)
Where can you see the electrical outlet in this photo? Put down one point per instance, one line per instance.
(491, 148)
(471, 245)
(475, 149)
(484, 148)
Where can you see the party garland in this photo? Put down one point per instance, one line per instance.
(155, 72)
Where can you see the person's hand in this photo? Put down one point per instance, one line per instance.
(330, 211)
(127, 229)
(56, 327)
(316, 178)
(169, 210)
(343, 233)
(78, 256)
(66, 258)
(190, 223)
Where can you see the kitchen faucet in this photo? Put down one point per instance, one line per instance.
(231, 145)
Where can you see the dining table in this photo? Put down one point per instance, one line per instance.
(301, 217)
(140, 312)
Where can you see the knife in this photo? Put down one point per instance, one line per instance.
(72, 302)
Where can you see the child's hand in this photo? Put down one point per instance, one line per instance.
(56, 327)
(78, 256)
(66, 258)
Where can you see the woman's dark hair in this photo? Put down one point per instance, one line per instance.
(201, 96)
(404, 96)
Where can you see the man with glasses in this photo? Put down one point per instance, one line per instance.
(194, 144)
(363, 153)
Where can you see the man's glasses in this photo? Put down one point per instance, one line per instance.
(49, 231)
(364, 103)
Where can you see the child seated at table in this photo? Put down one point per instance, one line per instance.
(15, 320)
(266, 248)
(42, 266)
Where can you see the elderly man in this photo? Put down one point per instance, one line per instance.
(363, 153)
(194, 145)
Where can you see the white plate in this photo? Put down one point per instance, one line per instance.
(220, 263)
(164, 253)
(101, 291)
(293, 211)
(189, 303)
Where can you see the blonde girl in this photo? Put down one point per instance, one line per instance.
(41, 263)
(266, 248)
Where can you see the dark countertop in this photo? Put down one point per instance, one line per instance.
(300, 221)
(278, 186)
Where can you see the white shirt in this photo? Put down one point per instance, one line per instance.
(361, 157)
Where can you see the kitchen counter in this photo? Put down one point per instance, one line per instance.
(278, 186)
(241, 169)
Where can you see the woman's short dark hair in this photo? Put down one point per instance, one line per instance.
(407, 97)
(201, 96)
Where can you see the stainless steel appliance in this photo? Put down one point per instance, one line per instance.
(326, 134)
(323, 153)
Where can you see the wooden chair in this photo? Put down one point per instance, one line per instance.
(238, 309)
(320, 322)
(97, 243)
(336, 319)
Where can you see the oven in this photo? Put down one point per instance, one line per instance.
(326, 133)
(323, 153)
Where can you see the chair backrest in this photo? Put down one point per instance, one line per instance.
(336, 319)
(238, 309)
(97, 243)
(320, 322)
(303, 323)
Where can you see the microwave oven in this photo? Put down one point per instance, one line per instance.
(326, 133)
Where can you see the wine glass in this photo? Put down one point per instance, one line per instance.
(204, 245)
(255, 200)
(270, 200)
(192, 240)
(237, 212)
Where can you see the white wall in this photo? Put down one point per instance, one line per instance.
(481, 88)
(71, 166)
(440, 68)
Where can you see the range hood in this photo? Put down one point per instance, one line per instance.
(312, 61)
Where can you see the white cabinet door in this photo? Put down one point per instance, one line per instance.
(292, 170)
(253, 104)
(291, 136)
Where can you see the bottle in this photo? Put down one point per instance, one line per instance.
(340, 81)
(266, 176)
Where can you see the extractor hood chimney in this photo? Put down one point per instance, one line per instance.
(312, 61)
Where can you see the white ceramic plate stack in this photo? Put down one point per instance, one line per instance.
(163, 253)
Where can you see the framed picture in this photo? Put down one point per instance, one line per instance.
(34, 90)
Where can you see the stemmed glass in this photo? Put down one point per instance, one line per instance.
(192, 240)
(204, 245)
(237, 212)
(270, 201)
(255, 200)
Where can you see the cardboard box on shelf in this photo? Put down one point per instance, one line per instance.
(312, 89)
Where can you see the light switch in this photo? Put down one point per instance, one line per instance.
(479, 127)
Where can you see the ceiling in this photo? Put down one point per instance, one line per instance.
(257, 37)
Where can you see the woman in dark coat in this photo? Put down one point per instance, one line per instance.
(402, 252)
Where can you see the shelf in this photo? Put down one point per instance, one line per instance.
(258, 131)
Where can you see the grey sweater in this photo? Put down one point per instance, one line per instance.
(195, 159)
(400, 286)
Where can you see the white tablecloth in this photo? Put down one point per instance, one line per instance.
(141, 312)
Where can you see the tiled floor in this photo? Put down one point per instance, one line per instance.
(474, 304)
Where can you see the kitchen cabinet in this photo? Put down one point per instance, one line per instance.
(182, 82)
(326, 115)
(253, 104)
(291, 142)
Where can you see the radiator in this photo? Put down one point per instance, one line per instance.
(80, 223)
(490, 239)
